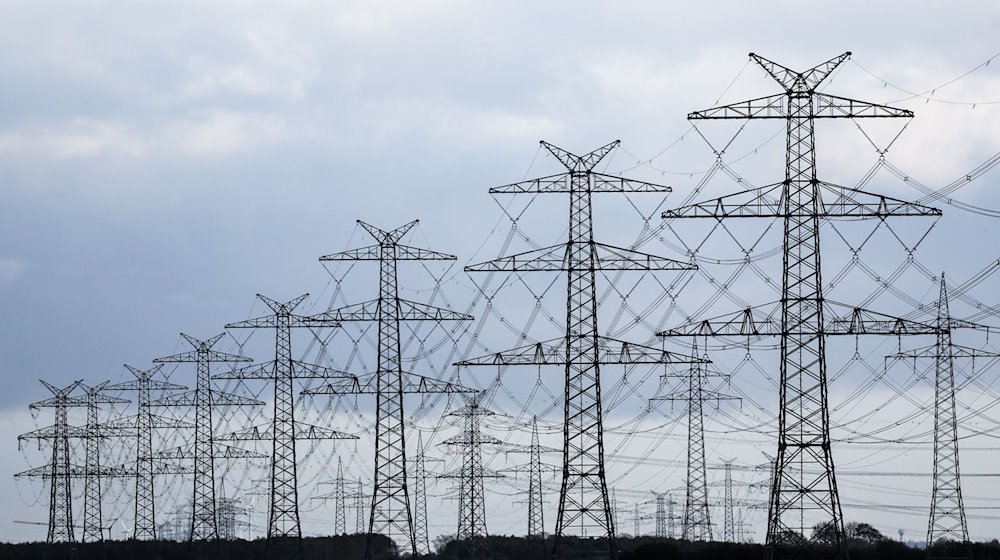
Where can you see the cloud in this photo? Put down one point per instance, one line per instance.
(11, 270)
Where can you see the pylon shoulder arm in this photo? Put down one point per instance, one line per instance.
(550, 184)
(769, 107)
(837, 201)
(844, 319)
(151, 384)
(957, 351)
(228, 399)
(186, 398)
(556, 259)
(302, 431)
(545, 259)
(611, 184)
(610, 351)
(194, 356)
(761, 320)
(263, 370)
(370, 253)
(832, 106)
(407, 253)
(415, 311)
(368, 385)
(364, 311)
(267, 321)
(761, 202)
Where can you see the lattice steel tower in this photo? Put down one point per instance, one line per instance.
(59, 471)
(583, 496)
(661, 514)
(472, 495)
(283, 431)
(143, 424)
(697, 523)
(95, 433)
(947, 519)
(390, 512)
(204, 524)
(728, 525)
(801, 200)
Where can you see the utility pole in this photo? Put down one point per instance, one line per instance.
(391, 513)
(697, 523)
(59, 471)
(204, 524)
(472, 495)
(799, 500)
(143, 424)
(283, 518)
(947, 521)
(584, 506)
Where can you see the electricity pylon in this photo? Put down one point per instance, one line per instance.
(204, 523)
(661, 514)
(142, 425)
(59, 471)
(471, 494)
(283, 517)
(697, 522)
(391, 513)
(340, 495)
(95, 433)
(947, 521)
(420, 496)
(583, 495)
(728, 525)
(798, 497)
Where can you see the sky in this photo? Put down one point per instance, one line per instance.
(161, 163)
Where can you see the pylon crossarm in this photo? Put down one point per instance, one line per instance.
(302, 431)
(832, 106)
(151, 384)
(957, 352)
(133, 423)
(580, 164)
(768, 107)
(407, 253)
(51, 432)
(368, 385)
(765, 320)
(601, 183)
(550, 184)
(266, 371)
(609, 351)
(465, 438)
(460, 473)
(369, 253)
(557, 259)
(834, 201)
(194, 356)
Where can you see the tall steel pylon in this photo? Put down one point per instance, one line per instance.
(798, 497)
(420, 531)
(142, 425)
(584, 505)
(283, 520)
(536, 501)
(947, 521)
(697, 523)
(391, 513)
(93, 528)
(472, 495)
(59, 471)
(204, 523)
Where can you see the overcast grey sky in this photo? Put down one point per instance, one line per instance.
(162, 162)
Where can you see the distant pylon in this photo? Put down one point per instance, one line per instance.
(947, 520)
(697, 523)
(661, 514)
(584, 504)
(340, 499)
(536, 515)
(391, 512)
(204, 523)
(93, 527)
(420, 531)
(144, 423)
(800, 498)
(283, 431)
(472, 495)
(729, 525)
(59, 471)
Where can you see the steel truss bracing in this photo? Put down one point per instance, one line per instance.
(420, 531)
(92, 522)
(391, 514)
(696, 524)
(59, 471)
(142, 425)
(283, 517)
(799, 498)
(536, 516)
(204, 523)
(947, 521)
(584, 505)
